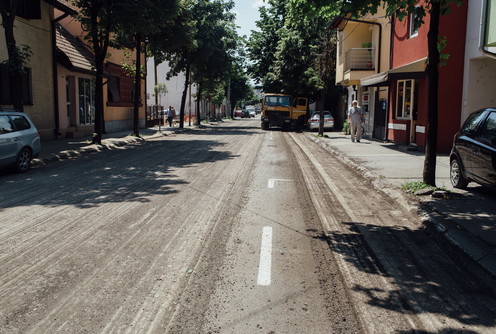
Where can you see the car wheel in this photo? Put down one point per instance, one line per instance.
(456, 175)
(23, 160)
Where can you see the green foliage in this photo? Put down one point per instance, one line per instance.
(19, 57)
(413, 186)
(346, 127)
(441, 45)
(129, 65)
(160, 88)
(292, 52)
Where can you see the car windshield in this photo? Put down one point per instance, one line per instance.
(273, 100)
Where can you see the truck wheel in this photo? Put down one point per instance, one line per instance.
(265, 125)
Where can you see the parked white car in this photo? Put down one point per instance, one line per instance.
(314, 121)
(19, 140)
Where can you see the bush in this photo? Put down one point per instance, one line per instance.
(346, 127)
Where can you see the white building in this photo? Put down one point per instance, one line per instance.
(479, 83)
(175, 88)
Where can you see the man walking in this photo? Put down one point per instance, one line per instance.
(170, 115)
(355, 119)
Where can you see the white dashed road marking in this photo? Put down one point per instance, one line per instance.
(272, 182)
(264, 268)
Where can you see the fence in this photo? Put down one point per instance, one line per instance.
(360, 59)
(154, 116)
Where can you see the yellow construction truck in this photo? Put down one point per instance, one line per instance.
(283, 111)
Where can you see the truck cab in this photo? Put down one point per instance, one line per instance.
(283, 111)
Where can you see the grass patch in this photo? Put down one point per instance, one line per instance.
(413, 186)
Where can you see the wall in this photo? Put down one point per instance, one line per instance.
(479, 71)
(175, 87)
(37, 35)
(407, 50)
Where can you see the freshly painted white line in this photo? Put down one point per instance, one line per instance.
(272, 182)
(264, 268)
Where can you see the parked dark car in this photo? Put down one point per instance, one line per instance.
(245, 114)
(473, 156)
(19, 140)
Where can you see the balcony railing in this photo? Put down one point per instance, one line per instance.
(360, 59)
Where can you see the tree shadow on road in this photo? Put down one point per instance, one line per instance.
(423, 276)
(132, 173)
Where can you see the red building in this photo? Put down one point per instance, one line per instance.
(407, 113)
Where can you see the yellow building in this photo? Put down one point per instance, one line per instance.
(33, 28)
(75, 82)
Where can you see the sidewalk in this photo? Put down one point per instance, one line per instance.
(466, 218)
(59, 149)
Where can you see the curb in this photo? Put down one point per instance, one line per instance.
(107, 144)
(85, 149)
(462, 239)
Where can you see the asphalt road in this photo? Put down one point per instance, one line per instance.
(224, 229)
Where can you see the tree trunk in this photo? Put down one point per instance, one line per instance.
(15, 64)
(100, 53)
(321, 119)
(429, 175)
(183, 98)
(137, 86)
(198, 97)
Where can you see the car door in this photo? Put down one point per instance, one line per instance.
(484, 154)
(466, 143)
(8, 141)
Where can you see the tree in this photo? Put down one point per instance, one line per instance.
(284, 54)
(206, 62)
(160, 89)
(18, 56)
(97, 18)
(137, 21)
(401, 9)
(262, 46)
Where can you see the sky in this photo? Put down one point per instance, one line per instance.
(246, 15)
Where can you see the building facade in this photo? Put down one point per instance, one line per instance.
(396, 93)
(33, 27)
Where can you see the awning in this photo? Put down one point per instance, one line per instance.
(72, 53)
(415, 70)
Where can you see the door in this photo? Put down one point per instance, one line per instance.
(380, 115)
(484, 158)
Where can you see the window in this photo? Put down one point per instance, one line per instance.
(86, 101)
(271, 100)
(413, 31)
(6, 84)
(119, 87)
(6, 125)
(28, 9)
(404, 99)
(113, 89)
(488, 130)
(472, 122)
(20, 123)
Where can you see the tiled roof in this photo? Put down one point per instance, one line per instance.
(73, 54)
(61, 5)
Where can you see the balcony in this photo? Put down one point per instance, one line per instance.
(360, 59)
